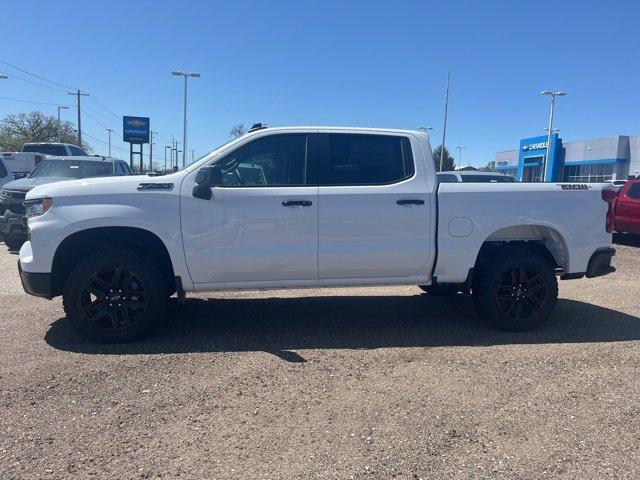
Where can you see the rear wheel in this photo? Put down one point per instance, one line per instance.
(516, 290)
(115, 296)
(13, 242)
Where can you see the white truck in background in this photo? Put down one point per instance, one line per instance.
(309, 207)
(21, 163)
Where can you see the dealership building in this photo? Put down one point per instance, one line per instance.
(597, 160)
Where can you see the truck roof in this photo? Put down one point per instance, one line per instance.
(88, 158)
(339, 129)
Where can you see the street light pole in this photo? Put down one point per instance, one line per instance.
(184, 126)
(444, 130)
(553, 96)
(60, 108)
(109, 130)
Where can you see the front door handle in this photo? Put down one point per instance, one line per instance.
(297, 203)
(410, 202)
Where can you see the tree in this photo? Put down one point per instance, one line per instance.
(491, 166)
(448, 163)
(237, 131)
(16, 130)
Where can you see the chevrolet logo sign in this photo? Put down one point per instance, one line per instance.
(135, 123)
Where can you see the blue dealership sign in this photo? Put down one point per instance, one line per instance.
(135, 129)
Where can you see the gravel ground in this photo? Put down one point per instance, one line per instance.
(327, 384)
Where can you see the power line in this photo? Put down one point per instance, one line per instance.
(95, 119)
(108, 119)
(32, 82)
(31, 101)
(119, 117)
(38, 76)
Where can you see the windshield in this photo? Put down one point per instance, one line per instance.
(71, 169)
(46, 149)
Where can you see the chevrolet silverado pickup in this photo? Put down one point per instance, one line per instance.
(308, 207)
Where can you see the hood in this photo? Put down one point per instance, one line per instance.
(26, 184)
(101, 185)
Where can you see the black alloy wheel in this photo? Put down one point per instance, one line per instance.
(521, 293)
(116, 295)
(114, 299)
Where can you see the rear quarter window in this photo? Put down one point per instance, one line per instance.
(447, 178)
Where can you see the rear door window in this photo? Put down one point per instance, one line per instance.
(46, 149)
(362, 159)
(75, 151)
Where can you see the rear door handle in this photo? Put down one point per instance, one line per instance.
(410, 202)
(297, 203)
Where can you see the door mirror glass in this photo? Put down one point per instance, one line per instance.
(207, 177)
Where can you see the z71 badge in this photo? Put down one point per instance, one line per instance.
(575, 186)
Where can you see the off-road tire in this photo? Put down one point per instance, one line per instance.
(515, 290)
(141, 283)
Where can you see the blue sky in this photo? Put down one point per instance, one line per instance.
(364, 63)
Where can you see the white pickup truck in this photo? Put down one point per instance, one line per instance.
(21, 163)
(308, 207)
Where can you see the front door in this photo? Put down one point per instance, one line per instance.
(628, 209)
(261, 224)
(374, 213)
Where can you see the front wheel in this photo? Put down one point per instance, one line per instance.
(115, 296)
(516, 290)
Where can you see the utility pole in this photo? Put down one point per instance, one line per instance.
(444, 130)
(109, 130)
(79, 94)
(460, 148)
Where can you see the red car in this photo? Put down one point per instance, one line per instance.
(627, 208)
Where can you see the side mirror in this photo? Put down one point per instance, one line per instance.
(207, 177)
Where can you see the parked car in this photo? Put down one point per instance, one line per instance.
(21, 163)
(474, 176)
(330, 207)
(13, 223)
(627, 208)
(5, 174)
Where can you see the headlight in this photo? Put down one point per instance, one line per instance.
(35, 208)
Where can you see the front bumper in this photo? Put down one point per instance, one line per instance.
(37, 284)
(13, 224)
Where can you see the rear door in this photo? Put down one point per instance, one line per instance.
(628, 208)
(374, 211)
